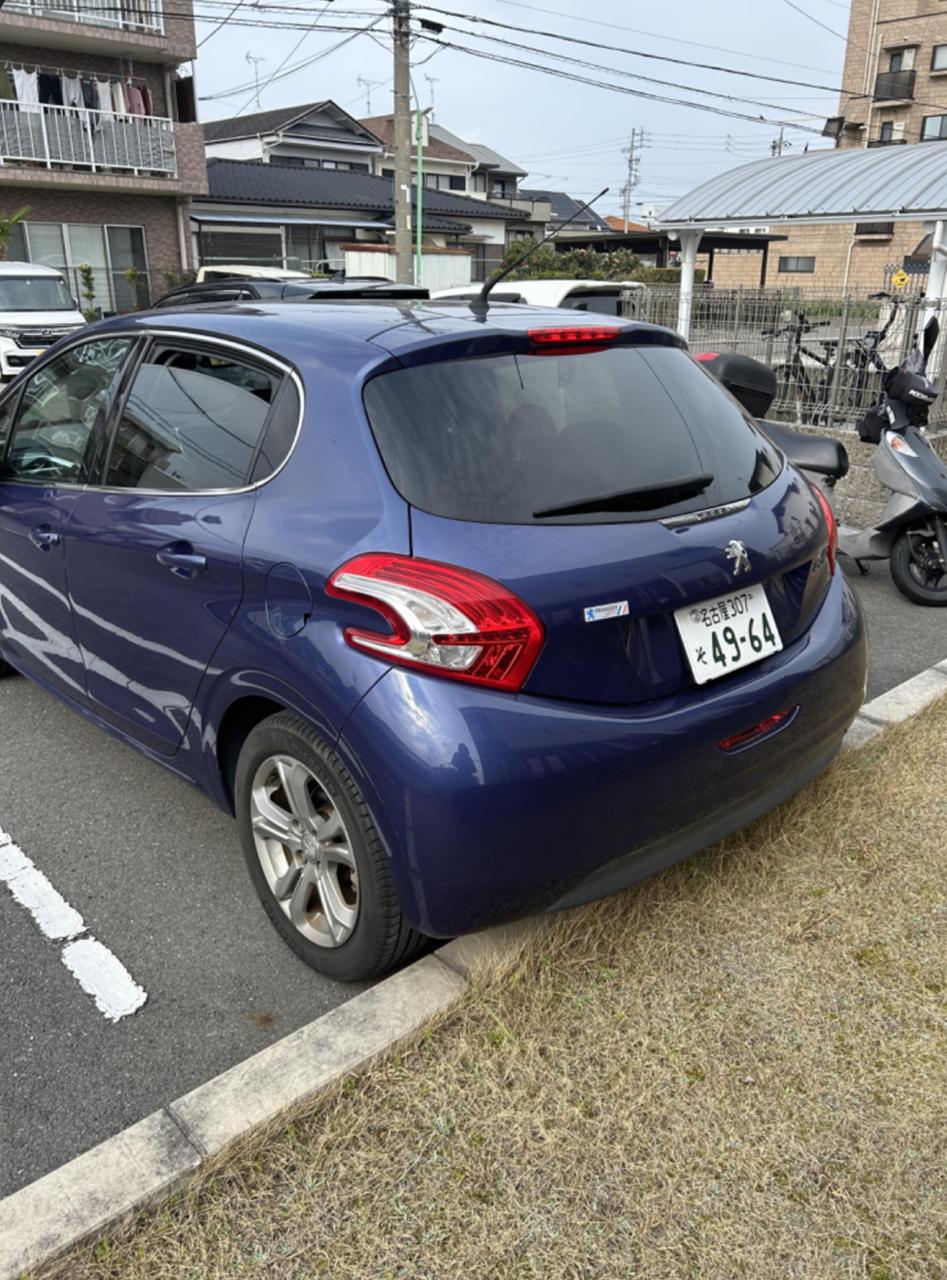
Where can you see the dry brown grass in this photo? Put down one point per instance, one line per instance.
(737, 1070)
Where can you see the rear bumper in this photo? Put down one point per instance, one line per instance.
(493, 807)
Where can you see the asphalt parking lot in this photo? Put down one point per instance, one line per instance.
(157, 875)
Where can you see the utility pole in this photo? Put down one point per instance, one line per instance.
(401, 32)
(779, 145)
(635, 142)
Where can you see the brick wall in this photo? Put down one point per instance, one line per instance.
(157, 214)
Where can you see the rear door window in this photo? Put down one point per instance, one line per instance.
(501, 438)
(193, 420)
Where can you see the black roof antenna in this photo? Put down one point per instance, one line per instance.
(482, 301)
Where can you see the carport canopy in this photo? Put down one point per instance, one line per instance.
(863, 184)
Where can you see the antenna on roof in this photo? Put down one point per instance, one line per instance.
(482, 301)
(368, 86)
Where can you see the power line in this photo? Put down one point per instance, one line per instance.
(223, 22)
(562, 74)
(617, 71)
(269, 80)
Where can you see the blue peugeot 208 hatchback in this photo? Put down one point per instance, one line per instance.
(464, 614)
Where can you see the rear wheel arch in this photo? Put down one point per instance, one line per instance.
(237, 723)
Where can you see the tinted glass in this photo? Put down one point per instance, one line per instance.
(499, 438)
(58, 412)
(34, 293)
(192, 421)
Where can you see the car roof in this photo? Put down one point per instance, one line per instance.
(395, 326)
(28, 269)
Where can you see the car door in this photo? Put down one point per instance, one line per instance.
(52, 431)
(154, 558)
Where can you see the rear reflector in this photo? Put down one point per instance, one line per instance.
(578, 336)
(444, 620)
(747, 737)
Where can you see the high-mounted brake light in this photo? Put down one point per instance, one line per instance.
(444, 620)
(702, 356)
(831, 526)
(574, 336)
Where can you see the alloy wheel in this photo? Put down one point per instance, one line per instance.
(304, 850)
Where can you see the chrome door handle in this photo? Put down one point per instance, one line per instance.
(181, 559)
(44, 537)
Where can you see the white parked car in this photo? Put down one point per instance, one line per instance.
(602, 296)
(36, 309)
(218, 272)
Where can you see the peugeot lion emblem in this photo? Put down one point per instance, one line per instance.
(736, 553)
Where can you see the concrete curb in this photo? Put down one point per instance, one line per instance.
(148, 1161)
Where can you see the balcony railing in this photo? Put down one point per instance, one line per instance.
(886, 142)
(123, 15)
(894, 86)
(75, 137)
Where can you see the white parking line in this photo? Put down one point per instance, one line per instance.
(99, 973)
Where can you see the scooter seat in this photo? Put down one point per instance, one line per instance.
(819, 454)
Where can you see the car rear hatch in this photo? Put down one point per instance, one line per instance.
(609, 482)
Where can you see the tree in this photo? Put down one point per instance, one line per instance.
(8, 224)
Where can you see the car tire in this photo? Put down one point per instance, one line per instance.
(314, 855)
(905, 570)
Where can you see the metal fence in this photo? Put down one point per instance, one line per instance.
(127, 15)
(77, 137)
(819, 347)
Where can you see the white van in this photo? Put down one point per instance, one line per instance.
(602, 296)
(36, 309)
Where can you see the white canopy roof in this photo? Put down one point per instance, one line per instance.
(890, 183)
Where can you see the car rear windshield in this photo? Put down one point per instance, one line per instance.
(502, 438)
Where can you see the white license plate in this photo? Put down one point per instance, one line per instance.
(723, 635)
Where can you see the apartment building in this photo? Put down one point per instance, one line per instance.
(894, 93)
(99, 138)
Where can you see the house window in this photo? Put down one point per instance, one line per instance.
(886, 132)
(934, 127)
(939, 58)
(294, 162)
(874, 229)
(479, 182)
(457, 182)
(242, 248)
(388, 173)
(901, 59)
(796, 266)
(109, 250)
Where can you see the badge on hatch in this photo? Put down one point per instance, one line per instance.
(598, 612)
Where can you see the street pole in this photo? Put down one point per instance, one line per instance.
(402, 140)
(419, 179)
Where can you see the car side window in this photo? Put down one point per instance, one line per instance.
(58, 411)
(193, 421)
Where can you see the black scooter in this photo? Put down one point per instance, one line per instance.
(912, 532)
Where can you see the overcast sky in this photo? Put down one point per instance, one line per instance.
(568, 136)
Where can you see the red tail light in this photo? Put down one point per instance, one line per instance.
(444, 620)
(706, 355)
(573, 336)
(831, 526)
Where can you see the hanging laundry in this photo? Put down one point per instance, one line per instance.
(103, 91)
(134, 100)
(90, 99)
(72, 91)
(6, 84)
(146, 97)
(118, 97)
(50, 89)
(27, 88)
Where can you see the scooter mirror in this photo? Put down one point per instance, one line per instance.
(931, 334)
